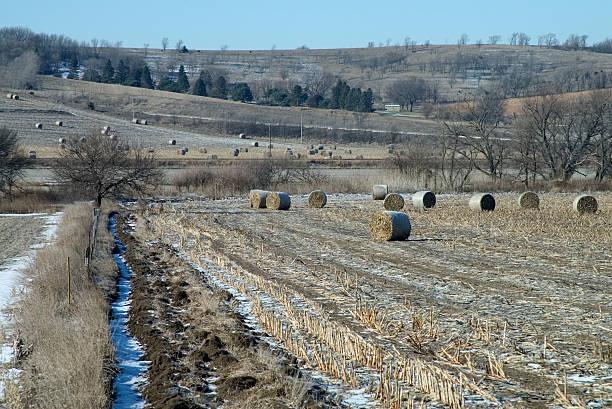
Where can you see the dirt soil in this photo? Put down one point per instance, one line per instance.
(476, 309)
(202, 354)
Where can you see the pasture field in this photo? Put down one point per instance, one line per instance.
(475, 309)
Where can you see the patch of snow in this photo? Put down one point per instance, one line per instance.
(582, 378)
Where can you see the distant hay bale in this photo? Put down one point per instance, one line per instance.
(379, 192)
(126, 147)
(334, 147)
(423, 200)
(15, 96)
(360, 157)
(105, 130)
(9, 96)
(236, 152)
(246, 149)
(213, 156)
(32, 154)
(258, 198)
(388, 225)
(320, 147)
(82, 139)
(585, 204)
(529, 200)
(242, 136)
(299, 155)
(255, 144)
(181, 152)
(278, 201)
(62, 140)
(135, 121)
(151, 150)
(482, 201)
(172, 142)
(186, 149)
(394, 202)
(113, 137)
(312, 152)
(203, 150)
(330, 153)
(317, 199)
(349, 151)
(38, 125)
(59, 123)
(143, 122)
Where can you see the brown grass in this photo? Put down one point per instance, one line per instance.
(68, 354)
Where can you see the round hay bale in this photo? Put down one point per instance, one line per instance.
(32, 154)
(181, 152)
(317, 199)
(9, 96)
(62, 140)
(299, 155)
(529, 200)
(106, 128)
(255, 144)
(113, 137)
(135, 121)
(423, 200)
(278, 201)
(242, 136)
(38, 125)
(320, 147)
(258, 198)
(585, 204)
(312, 152)
(213, 156)
(379, 192)
(172, 142)
(389, 225)
(246, 149)
(203, 150)
(59, 123)
(394, 202)
(186, 149)
(236, 152)
(82, 139)
(482, 201)
(151, 150)
(15, 96)
(143, 122)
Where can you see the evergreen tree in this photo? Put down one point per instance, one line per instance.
(242, 92)
(145, 79)
(133, 79)
(365, 104)
(314, 100)
(335, 95)
(182, 82)
(122, 72)
(220, 88)
(166, 84)
(74, 67)
(352, 99)
(298, 96)
(108, 73)
(199, 88)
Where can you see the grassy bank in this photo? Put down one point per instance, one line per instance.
(67, 354)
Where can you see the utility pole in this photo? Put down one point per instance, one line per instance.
(301, 126)
(270, 140)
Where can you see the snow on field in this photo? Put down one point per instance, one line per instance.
(128, 350)
(11, 274)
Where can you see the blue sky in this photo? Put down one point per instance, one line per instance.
(288, 24)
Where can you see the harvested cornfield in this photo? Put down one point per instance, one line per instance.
(472, 311)
(379, 192)
(278, 201)
(483, 202)
(423, 199)
(585, 204)
(529, 200)
(394, 202)
(317, 199)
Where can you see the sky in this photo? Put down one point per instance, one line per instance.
(262, 24)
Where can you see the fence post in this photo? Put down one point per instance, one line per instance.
(68, 261)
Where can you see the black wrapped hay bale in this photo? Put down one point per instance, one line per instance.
(529, 200)
(317, 199)
(389, 225)
(278, 201)
(482, 201)
(423, 199)
(379, 192)
(394, 202)
(585, 204)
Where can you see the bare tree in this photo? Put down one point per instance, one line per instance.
(454, 169)
(564, 132)
(103, 168)
(523, 39)
(494, 39)
(548, 40)
(463, 40)
(21, 72)
(601, 101)
(12, 161)
(514, 38)
(179, 45)
(320, 82)
(164, 43)
(476, 125)
(407, 92)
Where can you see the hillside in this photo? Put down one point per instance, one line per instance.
(456, 71)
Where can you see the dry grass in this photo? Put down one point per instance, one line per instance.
(68, 354)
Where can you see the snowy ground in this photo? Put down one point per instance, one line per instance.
(41, 231)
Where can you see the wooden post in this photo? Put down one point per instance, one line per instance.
(68, 260)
